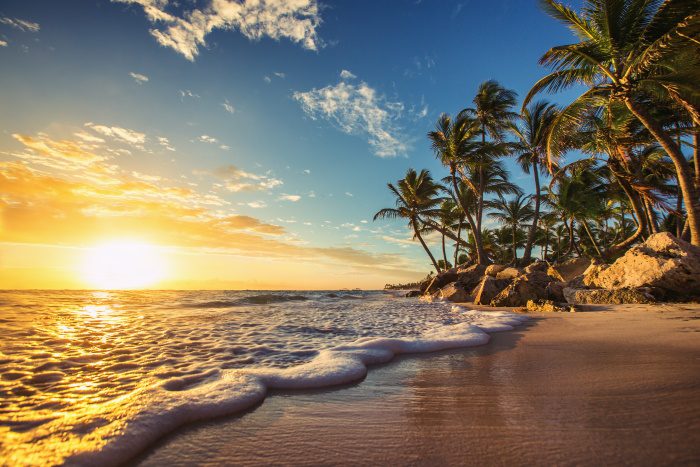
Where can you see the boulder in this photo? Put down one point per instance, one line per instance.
(493, 269)
(471, 276)
(487, 289)
(555, 291)
(509, 273)
(413, 293)
(540, 266)
(590, 275)
(606, 296)
(454, 292)
(544, 306)
(439, 281)
(568, 270)
(662, 261)
(526, 287)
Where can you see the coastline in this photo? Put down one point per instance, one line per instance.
(568, 388)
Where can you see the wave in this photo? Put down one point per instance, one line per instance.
(263, 299)
(130, 424)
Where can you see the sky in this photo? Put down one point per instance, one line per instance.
(238, 144)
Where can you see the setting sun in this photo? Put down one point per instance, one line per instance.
(123, 266)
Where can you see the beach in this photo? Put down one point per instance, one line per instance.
(613, 385)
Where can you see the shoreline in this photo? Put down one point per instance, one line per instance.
(618, 385)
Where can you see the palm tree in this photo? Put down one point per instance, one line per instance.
(416, 196)
(639, 53)
(531, 135)
(492, 113)
(512, 213)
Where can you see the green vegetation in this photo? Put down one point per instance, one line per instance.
(637, 63)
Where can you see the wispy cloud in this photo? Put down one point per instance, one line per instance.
(139, 78)
(207, 139)
(228, 107)
(278, 19)
(279, 74)
(3, 43)
(21, 24)
(292, 198)
(238, 180)
(257, 204)
(187, 93)
(165, 142)
(125, 135)
(345, 74)
(357, 109)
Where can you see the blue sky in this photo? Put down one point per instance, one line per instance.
(256, 116)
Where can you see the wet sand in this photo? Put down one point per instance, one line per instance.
(591, 388)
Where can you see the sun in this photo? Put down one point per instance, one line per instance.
(122, 265)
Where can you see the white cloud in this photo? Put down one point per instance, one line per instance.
(295, 20)
(225, 147)
(228, 107)
(345, 74)
(208, 139)
(347, 193)
(279, 74)
(237, 180)
(267, 79)
(358, 110)
(292, 198)
(139, 78)
(3, 43)
(126, 135)
(257, 204)
(21, 24)
(307, 171)
(88, 138)
(187, 93)
(165, 142)
(311, 194)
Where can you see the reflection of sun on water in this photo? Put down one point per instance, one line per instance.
(123, 266)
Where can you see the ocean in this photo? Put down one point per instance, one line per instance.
(94, 377)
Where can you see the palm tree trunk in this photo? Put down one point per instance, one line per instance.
(459, 237)
(481, 257)
(696, 158)
(679, 212)
(414, 224)
(570, 227)
(685, 181)
(653, 226)
(444, 253)
(546, 245)
(638, 209)
(515, 248)
(535, 217)
(591, 236)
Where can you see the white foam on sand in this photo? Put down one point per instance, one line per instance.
(128, 425)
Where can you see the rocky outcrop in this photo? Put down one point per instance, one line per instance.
(494, 269)
(439, 281)
(607, 296)
(526, 287)
(488, 289)
(568, 270)
(662, 261)
(545, 306)
(509, 273)
(555, 291)
(471, 276)
(454, 292)
(413, 293)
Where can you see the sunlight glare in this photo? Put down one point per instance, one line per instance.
(123, 266)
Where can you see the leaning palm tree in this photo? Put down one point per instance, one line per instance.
(416, 196)
(511, 213)
(636, 52)
(530, 149)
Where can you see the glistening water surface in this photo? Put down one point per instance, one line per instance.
(91, 376)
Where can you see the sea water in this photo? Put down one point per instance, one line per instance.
(94, 377)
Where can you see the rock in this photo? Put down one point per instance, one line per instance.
(551, 271)
(544, 306)
(540, 266)
(487, 289)
(413, 293)
(509, 273)
(454, 292)
(439, 281)
(567, 270)
(471, 276)
(494, 269)
(555, 291)
(526, 287)
(662, 261)
(606, 296)
(590, 275)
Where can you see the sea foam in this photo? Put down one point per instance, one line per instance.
(111, 432)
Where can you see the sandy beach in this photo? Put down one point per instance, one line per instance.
(616, 385)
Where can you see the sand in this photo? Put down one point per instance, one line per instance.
(591, 388)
